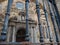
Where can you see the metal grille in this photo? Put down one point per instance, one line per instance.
(5, 26)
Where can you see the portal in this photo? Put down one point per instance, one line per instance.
(20, 36)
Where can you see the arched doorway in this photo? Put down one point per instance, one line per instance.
(20, 36)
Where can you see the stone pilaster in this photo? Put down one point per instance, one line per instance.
(13, 34)
(8, 34)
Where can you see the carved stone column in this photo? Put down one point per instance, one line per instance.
(9, 34)
(31, 35)
(13, 34)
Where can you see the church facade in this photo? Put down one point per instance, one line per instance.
(16, 30)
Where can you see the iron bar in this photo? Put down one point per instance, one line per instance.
(27, 7)
(56, 13)
(5, 26)
(56, 9)
(52, 17)
(39, 23)
(46, 15)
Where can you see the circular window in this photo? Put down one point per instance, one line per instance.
(20, 5)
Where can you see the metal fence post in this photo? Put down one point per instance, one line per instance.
(46, 15)
(52, 17)
(27, 7)
(55, 11)
(5, 26)
(39, 23)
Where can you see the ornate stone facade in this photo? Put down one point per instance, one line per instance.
(17, 21)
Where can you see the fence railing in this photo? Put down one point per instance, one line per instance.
(28, 43)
